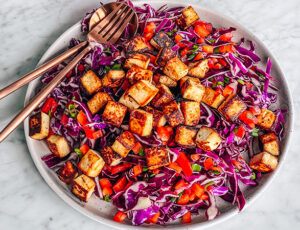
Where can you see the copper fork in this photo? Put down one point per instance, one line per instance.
(107, 31)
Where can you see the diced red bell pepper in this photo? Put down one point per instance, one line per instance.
(119, 168)
(128, 185)
(180, 184)
(219, 90)
(178, 38)
(199, 56)
(208, 163)
(156, 78)
(152, 58)
(125, 85)
(137, 147)
(50, 132)
(69, 74)
(248, 85)
(222, 62)
(156, 171)
(226, 49)
(238, 165)
(255, 110)
(120, 184)
(201, 31)
(107, 191)
(150, 27)
(104, 182)
(227, 91)
(48, 105)
(84, 149)
(240, 132)
(184, 199)
(217, 168)
(148, 36)
(226, 37)
(192, 196)
(64, 119)
(208, 49)
(89, 133)
(200, 40)
(154, 218)
(120, 216)
(137, 170)
(184, 163)
(176, 167)
(248, 118)
(195, 157)
(82, 118)
(204, 197)
(184, 51)
(97, 134)
(186, 218)
(198, 190)
(164, 132)
(80, 68)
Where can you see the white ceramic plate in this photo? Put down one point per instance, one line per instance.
(102, 211)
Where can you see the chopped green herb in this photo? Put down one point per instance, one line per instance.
(214, 84)
(49, 113)
(254, 132)
(235, 130)
(253, 176)
(262, 87)
(195, 47)
(260, 75)
(107, 49)
(192, 56)
(217, 50)
(241, 81)
(116, 66)
(170, 34)
(152, 175)
(78, 152)
(211, 41)
(226, 80)
(179, 195)
(210, 183)
(106, 198)
(215, 172)
(173, 199)
(196, 167)
(145, 169)
(72, 110)
(236, 170)
(141, 152)
(211, 79)
(175, 30)
(106, 68)
(220, 83)
(73, 98)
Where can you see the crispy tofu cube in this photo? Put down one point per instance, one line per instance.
(175, 69)
(98, 101)
(124, 143)
(164, 55)
(114, 113)
(264, 162)
(270, 143)
(266, 119)
(137, 59)
(163, 79)
(113, 78)
(207, 139)
(159, 119)
(128, 101)
(198, 69)
(91, 163)
(184, 79)
(161, 40)
(39, 126)
(185, 136)
(137, 44)
(188, 17)
(163, 96)
(91, 82)
(192, 90)
(212, 98)
(232, 107)
(157, 157)
(58, 145)
(141, 122)
(83, 187)
(142, 92)
(110, 157)
(268, 137)
(191, 112)
(173, 114)
(136, 74)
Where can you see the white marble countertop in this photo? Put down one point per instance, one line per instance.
(26, 201)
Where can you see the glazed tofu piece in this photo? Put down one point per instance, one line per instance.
(128, 101)
(164, 55)
(198, 69)
(266, 119)
(184, 79)
(83, 187)
(232, 107)
(135, 74)
(91, 163)
(39, 126)
(163, 96)
(142, 92)
(140, 60)
(141, 122)
(188, 17)
(110, 157)
(114, 113)
(113, 78)
(173, 114)
(163, 79)
(175, 69)
(212, 98)
(159, 119)
(137, 44)
(91, 82)
(161, 40)
(157, 157)
(191, 112)
(124, 143)
(185, 136)
(98, 101)
(264, 162)
(58, 145)
(270, 143)
(207, 139)
(192, 90)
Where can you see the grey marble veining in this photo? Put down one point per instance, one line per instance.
(26, 202)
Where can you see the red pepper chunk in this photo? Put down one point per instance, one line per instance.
(119, 168)
(248, 118)
(180, 184)
(120, 216)
(208, 163)
(226, 37)
(150, 27)
(240, 132)
(184, 199)
(120, 184)
(81, 118)
(198, 190)
(154, 218)
(48, 105)
(105, 183)
(84, 149)
(137, 170)
(186, 218)
(227, 91)
(64, 119)
(165, 133)
(97, 134)
(201, 31)
(184, 163)
(107, 191)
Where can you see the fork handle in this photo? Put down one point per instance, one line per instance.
(38, 99)
(40, 70)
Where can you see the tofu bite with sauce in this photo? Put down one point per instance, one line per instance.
(114, 113)
(207, 139)
(212, 98)
(110, 157)
(185, 136)
(173, 114)
(91, 163)
(264, 162)
(141, 122)
(39, 125)
(232, 107)
(157, 157)
(58, 145)
(91, 82)
(191, 112)
(175, 69)
(98, 101)
(137, 59)
(124, 143)
(113, 78)
(83, 187)
(135, 74)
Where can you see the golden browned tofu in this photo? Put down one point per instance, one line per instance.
(268, 137)
(113, 78)
(264, 162)
(212, 98)
(191, 112)
(91, 82)
(39, 126)
(135, 74)
(124, 143)
(198, 69)
(188, 17)
(157, 157)
(207, 139)
(128, 101)
(83, 187)
(192, 90)
(270, 143)
(141, 122)
(175, 69)
(266, 119)
(58, 145)
(142, 92)
(163, 79)
(164, 55)
(137, 44)
(114, 113)
(161, 40)
(173, 114)
(185, 136)
(232, 107)
(163, 96)
(159, 119)
(137, 59)
(184, 79)
(110, 157)
(98, 101)
(91, 163)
